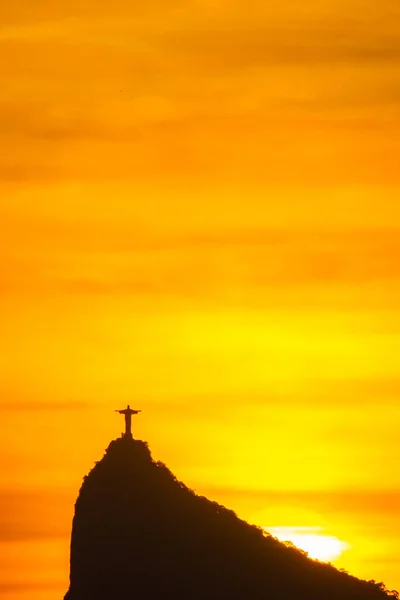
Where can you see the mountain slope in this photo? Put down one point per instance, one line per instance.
(139, 534)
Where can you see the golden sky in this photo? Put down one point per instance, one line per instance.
(199, 213)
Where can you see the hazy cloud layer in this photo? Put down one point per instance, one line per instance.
(158, 91)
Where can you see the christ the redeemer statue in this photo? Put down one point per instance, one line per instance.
(128, 412)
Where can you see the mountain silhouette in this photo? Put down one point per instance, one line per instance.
(140, 534)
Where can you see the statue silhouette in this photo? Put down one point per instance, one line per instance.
(128, 412)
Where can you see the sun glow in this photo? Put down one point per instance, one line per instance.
(319, 546)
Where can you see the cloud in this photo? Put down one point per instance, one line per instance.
(366, 502)
(43, 406)
(120, 259)
(14, 401)
(35, 515)
(132, 76)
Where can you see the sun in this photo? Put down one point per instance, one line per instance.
(312, 540)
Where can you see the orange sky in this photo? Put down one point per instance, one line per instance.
(199, 210)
